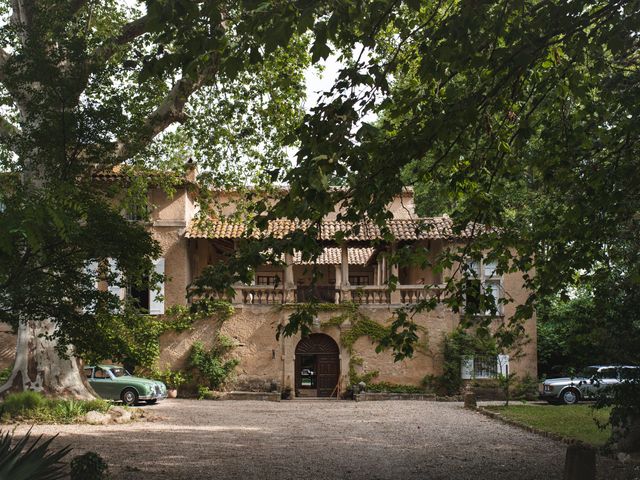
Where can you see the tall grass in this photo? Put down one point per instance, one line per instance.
(33, 406)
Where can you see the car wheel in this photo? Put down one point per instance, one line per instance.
(570, 396)
(151, 402)
(129, 396)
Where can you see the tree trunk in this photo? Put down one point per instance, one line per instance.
(38, 366)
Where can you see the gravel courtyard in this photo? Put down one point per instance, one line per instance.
(319, 439)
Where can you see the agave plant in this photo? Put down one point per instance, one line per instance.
(35, 462)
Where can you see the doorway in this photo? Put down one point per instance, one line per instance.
(317, 366)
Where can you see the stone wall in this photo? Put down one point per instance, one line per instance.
(266, 362)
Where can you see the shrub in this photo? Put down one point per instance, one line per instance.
(20, 463)
(5, 373)
(388, 387)
(90, 465)
(31, 405)
(525, 389)
(172, 378)
(22, 402)
(209, 366)
(202, 392)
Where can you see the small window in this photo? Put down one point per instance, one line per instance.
(268, 280)
(359, 279)
(100, 373)
(137, 213)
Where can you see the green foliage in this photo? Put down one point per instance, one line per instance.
(89, 465)
(354, 377)
(5, 373)
(361, 326)
(388, 387)
(505, 383)
(579, 422)
(203, 392)
(18, 403)
(525, 388)
(132, 337)
(456, 345)
(171, 378)
(209, 366)
(17, 462)
(33, 406)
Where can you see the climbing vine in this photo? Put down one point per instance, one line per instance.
(361, 326)
(133, 338)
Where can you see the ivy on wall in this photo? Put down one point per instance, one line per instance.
(136, 337)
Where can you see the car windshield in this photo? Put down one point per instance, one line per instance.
(587, 372)
(119, 372)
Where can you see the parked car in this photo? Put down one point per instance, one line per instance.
(113, 382)
(586, 384)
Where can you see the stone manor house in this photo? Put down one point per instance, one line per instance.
(355, 271)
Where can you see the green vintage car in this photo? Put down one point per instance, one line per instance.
(113, 382)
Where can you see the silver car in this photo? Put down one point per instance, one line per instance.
(586, 384)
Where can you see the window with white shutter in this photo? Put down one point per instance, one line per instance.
(156, 295)
(115, 284)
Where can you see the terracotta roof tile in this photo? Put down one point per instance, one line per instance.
(333, 256)
(401, 229)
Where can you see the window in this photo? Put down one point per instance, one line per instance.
(267, 280)
(151, 299)
(88, 372)
(359, 279)
(483, 366)
(137, 213)
(100, 373)
(140, 294)
(484, 280)
(608, 373)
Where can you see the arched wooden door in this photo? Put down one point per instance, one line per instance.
(317, 366)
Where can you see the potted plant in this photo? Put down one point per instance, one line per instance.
(173, 379)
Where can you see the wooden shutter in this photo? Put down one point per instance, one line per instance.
(156, 295)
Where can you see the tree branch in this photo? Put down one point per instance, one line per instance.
(170, 110)
(8, 132)
(130, 31)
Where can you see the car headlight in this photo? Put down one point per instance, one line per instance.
(548, 388)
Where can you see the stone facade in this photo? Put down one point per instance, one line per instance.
(266, 363)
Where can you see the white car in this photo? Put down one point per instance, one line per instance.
(587, 383)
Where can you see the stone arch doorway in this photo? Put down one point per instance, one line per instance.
(317, 366)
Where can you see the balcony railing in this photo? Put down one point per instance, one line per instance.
(260, 295)
(363, 295)
(320, 293)
(370, 294)
(416, 293)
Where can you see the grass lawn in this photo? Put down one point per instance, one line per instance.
(574, 421)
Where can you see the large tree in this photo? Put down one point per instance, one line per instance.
(87, 86)
(518, 115)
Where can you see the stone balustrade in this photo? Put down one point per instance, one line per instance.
(363, 295)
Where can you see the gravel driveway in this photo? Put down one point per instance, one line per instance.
(319, 439)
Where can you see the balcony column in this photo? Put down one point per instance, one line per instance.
(345, 293)
(338, 284)
(395, 295)
(289, 284)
